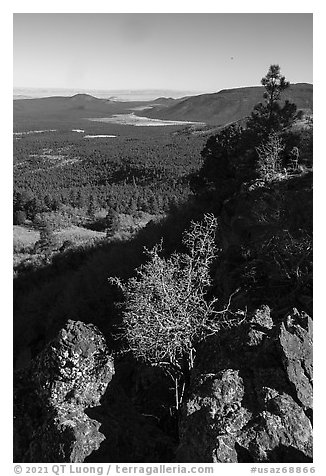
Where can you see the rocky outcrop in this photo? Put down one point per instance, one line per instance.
(295, 343)
(50, 397)
(251, 394)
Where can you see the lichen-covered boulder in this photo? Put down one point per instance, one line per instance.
(250, 396)
(50, 397)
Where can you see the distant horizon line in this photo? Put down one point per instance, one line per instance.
(140, 89)
(143, 90)
(25, 92)
(109, 89)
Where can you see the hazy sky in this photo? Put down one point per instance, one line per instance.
(202, 52)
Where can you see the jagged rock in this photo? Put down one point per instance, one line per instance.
(295, 340)
(262, 318)
(282, 433)
(70, 375)
(260, 323)
(249, 394)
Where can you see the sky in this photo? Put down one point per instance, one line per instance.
(197, 52)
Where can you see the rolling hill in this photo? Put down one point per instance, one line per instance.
(221, 108)
(78, 104)
(228, 105)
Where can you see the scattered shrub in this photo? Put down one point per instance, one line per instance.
(47, 239)
(269, 163)
(166, 311)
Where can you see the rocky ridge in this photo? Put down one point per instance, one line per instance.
(250, 400)
(251, 394)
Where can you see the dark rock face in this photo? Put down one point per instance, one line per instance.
(131, 435)
(251, 394)
(70, 375)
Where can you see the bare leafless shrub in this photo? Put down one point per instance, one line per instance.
(269, 162)
(294, 158)
(166, 312)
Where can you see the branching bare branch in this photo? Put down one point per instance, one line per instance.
(166, 311)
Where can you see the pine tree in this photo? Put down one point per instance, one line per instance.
(112, 222)
(19, 217)
(47, 237)
(270, 116)
(80, 199)
(91, 207)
